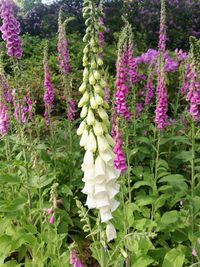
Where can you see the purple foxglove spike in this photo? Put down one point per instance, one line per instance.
(4, 120)
(48, 94)
(10, 29)
(63, 52)
(120, 159)
(161, 108)
(71, 109)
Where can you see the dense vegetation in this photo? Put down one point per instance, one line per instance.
(100, 133)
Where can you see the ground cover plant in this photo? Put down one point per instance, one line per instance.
(99, 140)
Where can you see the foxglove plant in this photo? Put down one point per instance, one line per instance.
(149, 88)
(193, 95)
(161, 91)
(48, 94)
(132, 65)
(10, 29)
(100, 174)
(63, 52)
(4, 120)
(71, 109)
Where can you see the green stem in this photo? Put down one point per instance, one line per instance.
(156, 172)
(192, 174)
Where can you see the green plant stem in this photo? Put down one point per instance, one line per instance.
(156, 172)
(192, 174)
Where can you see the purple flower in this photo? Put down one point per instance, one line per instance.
(186, 78)
(4, 120)
(194, 253)
(107, 93)
(120, 159)
(132, 66)
(48, 94)
(74, 259)
(63, 52)
(10, 29)
(52, 219)
(71, 109)
(193, 95)
(182, 56)
(121, 85)
(139, 108)
(149, 89)
(6, 89)
(49, 210)
(161, 108)
(170, 64)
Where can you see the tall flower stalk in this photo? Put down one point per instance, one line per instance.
(161, 90)
(10, 29)
(63, 51)
(48, 94)
(100, 175)
(193, 95)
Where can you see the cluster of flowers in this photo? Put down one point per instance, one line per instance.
(48, 94)
(10, 29)
(63, 52)
(193, 94)
(161, 91)
(100, 174)
(75, 260)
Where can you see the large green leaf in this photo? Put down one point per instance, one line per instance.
(174, 258)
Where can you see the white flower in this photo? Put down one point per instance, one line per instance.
(105, 214)
(84, 138)
(113, 189)
(102, 143)
(108, 156)
(84, 112)
(110, 140)
(102, 113)
(90, 118)
(93, 102)
(88, 159)
(98, 130)
(100, 170)
(81, 128)
(110, 232)
(91, 143)
(90, 202)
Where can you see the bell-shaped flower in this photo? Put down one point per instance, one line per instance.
(90, 118)
(98, 130)
(81, 128)
(91, 202)
(110, 232)
(84, 112)
(102, 113)
(105, 214)
(102, 143)
(91, 143)
(84, 138)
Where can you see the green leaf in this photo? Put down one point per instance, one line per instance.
(9, 179)
(142, 261)
(142, 183)
(170, 217)
(174, 258)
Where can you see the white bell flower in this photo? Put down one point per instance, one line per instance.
(91, 143)
(110, 232)
(102, 143)
(98, 130)
(84, 138)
